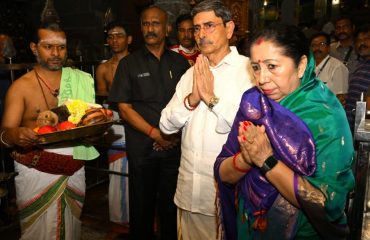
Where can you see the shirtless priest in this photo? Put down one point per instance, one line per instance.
(50, 187)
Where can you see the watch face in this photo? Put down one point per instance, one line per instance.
(265, 168)
(269, 163)
(213, 102)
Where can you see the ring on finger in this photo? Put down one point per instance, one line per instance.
(250, 139)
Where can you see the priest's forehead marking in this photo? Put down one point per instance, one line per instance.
(117, 30)
(54, 40)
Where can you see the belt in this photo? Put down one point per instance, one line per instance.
(48, 162)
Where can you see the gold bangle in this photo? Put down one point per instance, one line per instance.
(2, 140)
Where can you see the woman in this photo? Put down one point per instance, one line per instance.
(285, 170)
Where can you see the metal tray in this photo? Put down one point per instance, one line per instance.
(75, 133)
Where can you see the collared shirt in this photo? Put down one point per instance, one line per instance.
(334, 74)
(204, 131)
(340, 52)
(359, 83)
(147, 84)
(190, 54)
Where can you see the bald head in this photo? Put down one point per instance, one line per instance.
(154, 26)
(157, 9)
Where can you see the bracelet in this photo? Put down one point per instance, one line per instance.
(150, 131)
(2, 140)
(187, 102)
(236, 167)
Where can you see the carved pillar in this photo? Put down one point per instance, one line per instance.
(239, 10)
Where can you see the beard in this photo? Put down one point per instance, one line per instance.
(52, 67)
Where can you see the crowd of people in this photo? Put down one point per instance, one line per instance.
(218, 144)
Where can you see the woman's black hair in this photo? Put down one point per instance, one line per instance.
(288, 37)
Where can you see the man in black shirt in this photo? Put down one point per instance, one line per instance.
(144, 83)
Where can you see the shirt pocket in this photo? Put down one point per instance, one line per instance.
(144, 87)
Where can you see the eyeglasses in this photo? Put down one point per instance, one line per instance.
(319, 45)
(208, 27)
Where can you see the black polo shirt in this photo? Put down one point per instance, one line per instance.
(148, 84)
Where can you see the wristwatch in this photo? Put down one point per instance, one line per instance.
(214, 100)
(268, 164)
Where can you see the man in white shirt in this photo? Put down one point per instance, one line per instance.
(203, 108)
(329, 69)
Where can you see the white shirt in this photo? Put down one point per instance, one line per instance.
(334, 74)
(204, 131)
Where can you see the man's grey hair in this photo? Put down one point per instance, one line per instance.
(217, 6)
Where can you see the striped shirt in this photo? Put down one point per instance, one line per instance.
(359, 83)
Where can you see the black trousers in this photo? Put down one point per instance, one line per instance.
(152, 186)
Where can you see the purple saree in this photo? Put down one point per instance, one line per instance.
(292, 143)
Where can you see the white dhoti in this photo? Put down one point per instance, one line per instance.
(118, 185)
(49, 205)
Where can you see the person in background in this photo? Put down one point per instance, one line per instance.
(343, 49)
(144, 82)
(118, 39)
(359, 81)
(285, 173)
(202, 109)
(50, 187)
(327, 68)
(185, 35)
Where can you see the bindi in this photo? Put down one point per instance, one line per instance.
(259, 40)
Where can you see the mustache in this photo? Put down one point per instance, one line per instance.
(55, 59)
(343, 34)
(317, 51)
(204, 41)
(150, 34)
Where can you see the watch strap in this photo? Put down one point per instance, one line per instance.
(268, 164)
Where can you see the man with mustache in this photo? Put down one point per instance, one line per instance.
(360, 80)
(329, 69)
(185, 36)
(50, 186)
(203, 109)
(343, 49)
(144, 82)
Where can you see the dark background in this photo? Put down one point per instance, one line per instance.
(84, 20)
